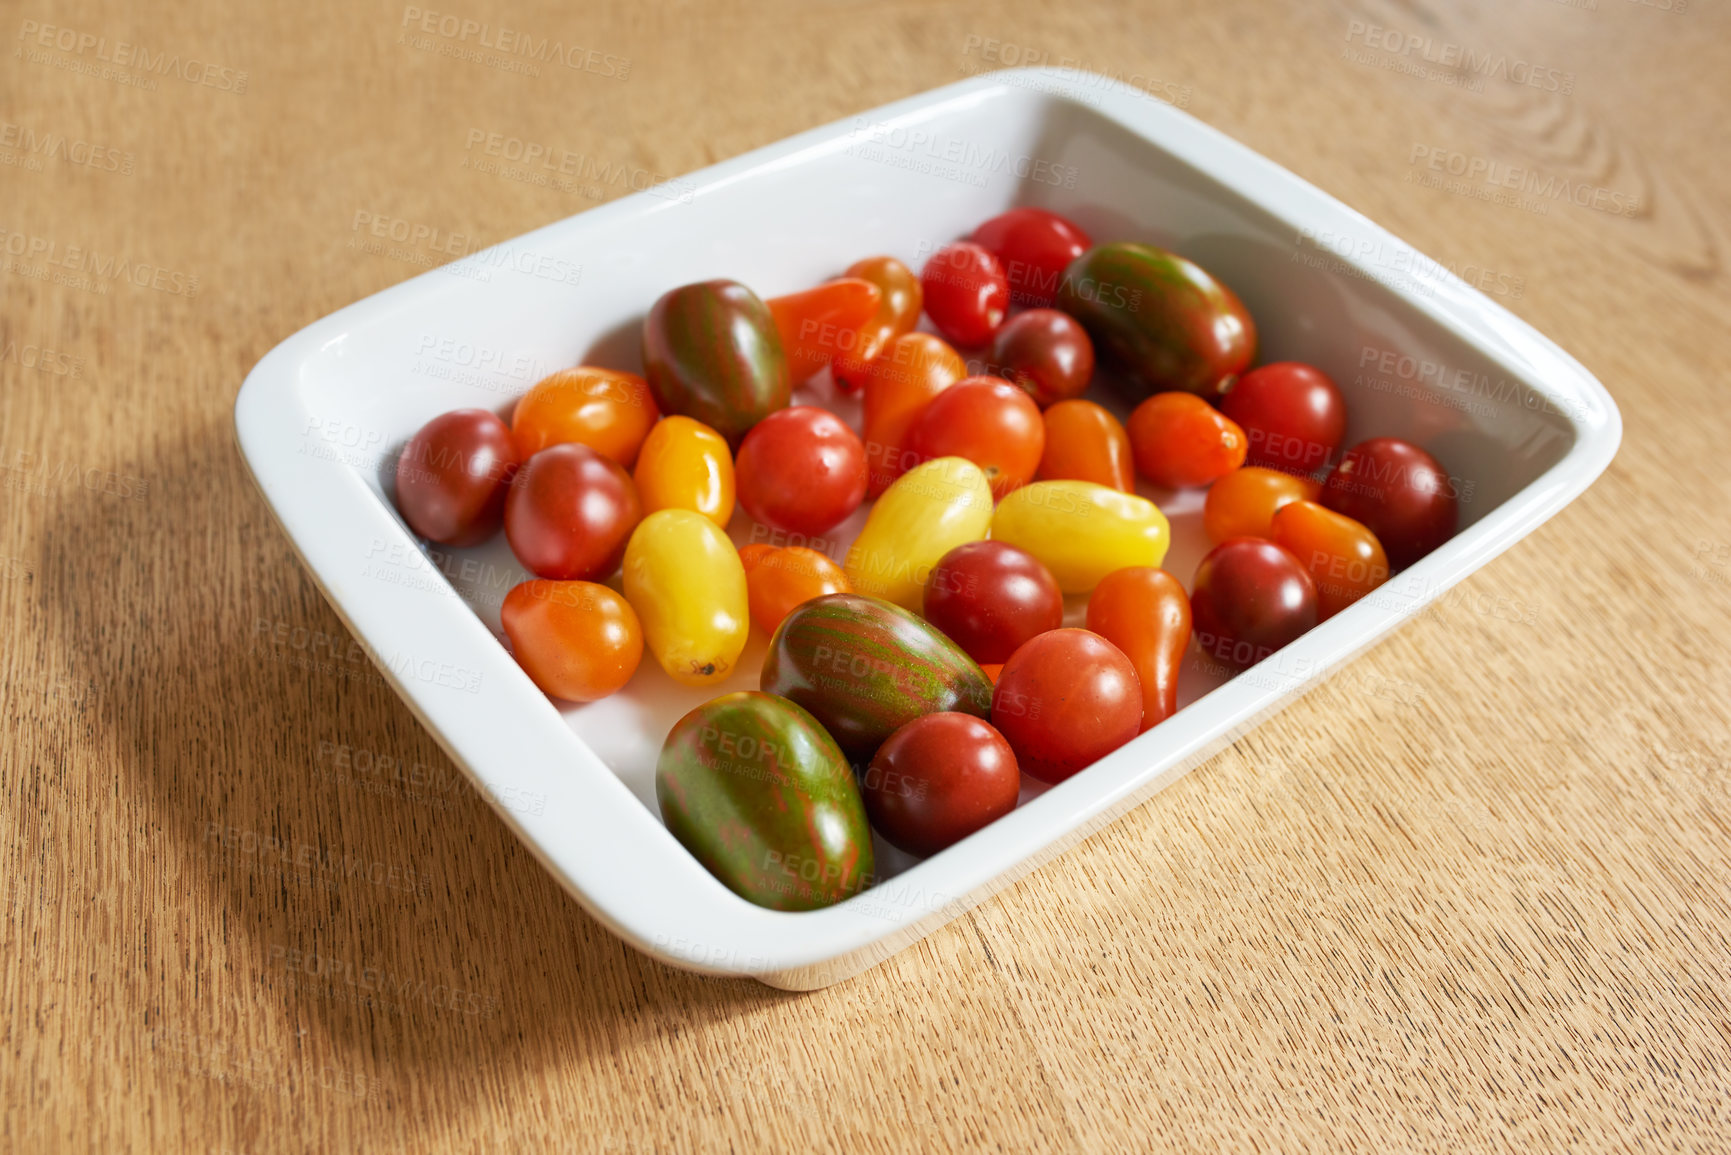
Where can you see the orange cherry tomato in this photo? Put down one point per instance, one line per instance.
(576, 640)
(1180, 440)
(820, 324)
(1243, 503)
(1086, 443)
(778, 579)
(1145, 612)
(898, 312)
(1342, 556)
(608, 410)
(684, 464)
(913, 369)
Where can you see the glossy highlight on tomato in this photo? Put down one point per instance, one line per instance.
(454, 475)
(570, 512)
(576, 640)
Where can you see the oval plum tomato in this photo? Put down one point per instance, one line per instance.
(1035, 247)
(1145, 612)
(802, 470)
(570, 513)
(818, 324)
(1243, 503)
(1086, 443)
(899, 304)
(1046, 352)
(453, 476)
(1398, 492)
(967, 293)
(608, 410)
(1344, 558)
(778, 579)
(684, 464)
(938, 779)
(1180, 440)
(1250, 598)
(989, 597)
(988, 421)
(576, 640)
(1065, 700)
(1293, 414)
(915, 368)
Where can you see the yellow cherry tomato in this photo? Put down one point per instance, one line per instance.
(927, 512)
(684, 464)
(685, 580)
(1082, 531)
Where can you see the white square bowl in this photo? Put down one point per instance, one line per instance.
(1521, 425)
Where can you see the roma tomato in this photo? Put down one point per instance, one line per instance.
(931, 510)
(1082, 531)
(1397, 491)
(608, 410)
(801, 470)
(1046, 352)
(1145, 612)
(1180, 440)
(967, 293)
(711, 351)
(453, 477)
(989, 597)
(685, 580)
(1250, 598)
(1243, 503)
(821, 323)
(576, 640)
(1084, 442)
(686, 465)
(988, 421)
(1344, 558)
(938, 779)
(569, 513)
(915, 368)
(1035, 247)
(899, 303)
(777, 580)
(1064, 701)
(1292, 413)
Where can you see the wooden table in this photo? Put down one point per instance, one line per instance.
(1487, 911)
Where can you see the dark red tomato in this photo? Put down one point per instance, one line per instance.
(1293, 414)
(453, 476)
(570, 514)
(1399, 492)
(1046, 352)
(989, 597)
(1034, 247)
(1065, 700)
(988, 421)
(1249, 599)
(801, 469)
(966, 293)
(937, 780)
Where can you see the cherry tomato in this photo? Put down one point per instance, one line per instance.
(937, 780)
(569, 514)
(1292, 413)
(1065, 700)
(802, 470)
(777, 580)
(1398, 492)
(1046, 352)
(1082, 531)
(992, 670)
(453, 476)
(576, 640)
(1034, 246)
(1086, 443)
(686, 582)
(1250, 598)
(819, 324)
(608, 410)
(932, 509)
(967, 293)
(1145, 612)
(1242, 504)
(989, 598)
(915, 368)
(899, 303)
(1180, 440)
(1344, 558)
(685, 464)
(988, 421)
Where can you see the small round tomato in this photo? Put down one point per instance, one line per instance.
(1397, 491)
(817, 324)
(1344, 558)
(1065, 700)
(778, 579)
(1084, 442)
(899, 303)
(570, 513)
(912, 370)
(1035, 247)
(1046, 352)
(1293, 414)
(1144, 611)
(1249, 599)
(685, 464)
(938, 779)
(1243, 503)
(967, 293)
(802, 470)
(576, 640)
(989, 597)
(988, 421)
(453, 476)
(1180, 440)
(608, 410)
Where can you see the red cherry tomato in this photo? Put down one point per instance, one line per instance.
(1086, 443)
(570, 513)
(801, 469)
(821, 323)
(1250, 598)
(1180, 440)
(1065, 700)
(937, 780)
(1035, 246)
(966, 293)
(453, 476)
(1293, 414)
(1145, 612)
(1397, 491)
(1046, 352)
(989, 597)
(576, 640)
(988, 421)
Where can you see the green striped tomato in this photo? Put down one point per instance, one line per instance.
(711, 352)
